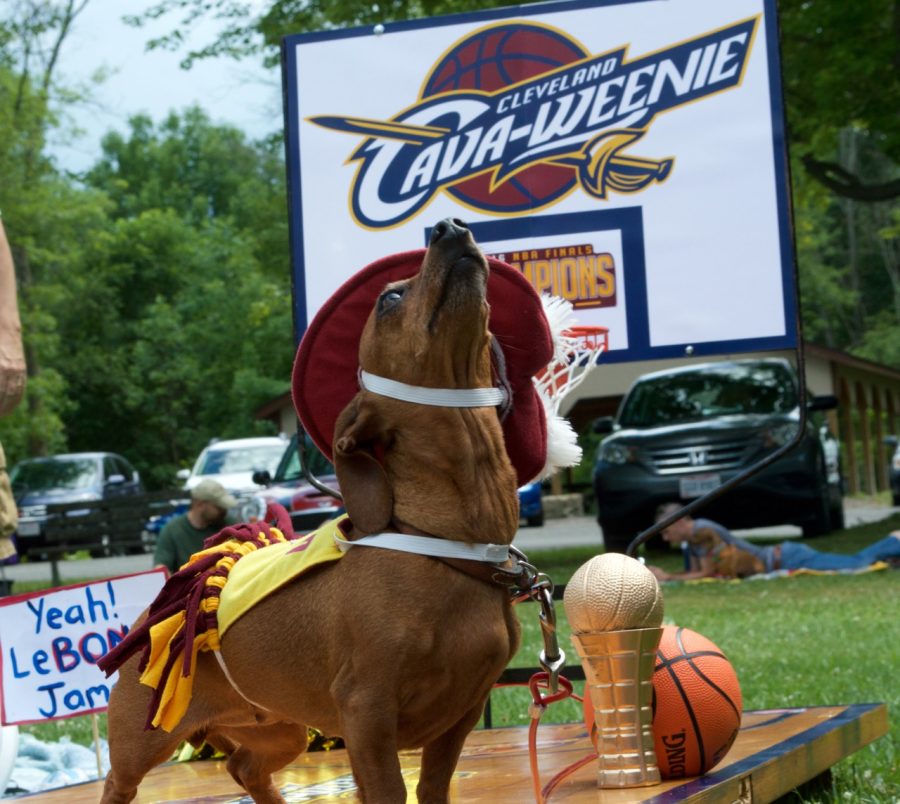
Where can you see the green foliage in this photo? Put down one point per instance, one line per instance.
(849, 261)
(244, 33)
(155, 297)
(840, 65)
(39, 418)
(185, 328)
(881, 340)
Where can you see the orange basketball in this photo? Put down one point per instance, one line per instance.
(697, 704)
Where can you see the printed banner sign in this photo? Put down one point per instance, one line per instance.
(627, 156)
(50, 643)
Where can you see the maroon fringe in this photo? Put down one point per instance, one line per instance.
(184, 591)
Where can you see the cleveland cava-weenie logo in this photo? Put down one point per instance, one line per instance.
(517, 115)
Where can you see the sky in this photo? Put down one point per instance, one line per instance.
(241, 93)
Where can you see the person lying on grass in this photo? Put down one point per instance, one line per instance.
(715, 552)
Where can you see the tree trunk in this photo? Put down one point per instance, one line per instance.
(848, 158)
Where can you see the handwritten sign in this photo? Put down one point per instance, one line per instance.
(50, 643)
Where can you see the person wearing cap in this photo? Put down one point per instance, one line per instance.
(714, 551)
(183, 535)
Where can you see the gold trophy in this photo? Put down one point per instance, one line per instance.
(615, 608)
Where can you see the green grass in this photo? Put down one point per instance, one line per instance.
(801, 641)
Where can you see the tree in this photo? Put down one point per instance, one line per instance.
(841, 68)
(185, 324)
(35, 199)
(841, 63)
(155, 298)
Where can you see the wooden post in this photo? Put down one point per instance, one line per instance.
(881, 457)
(862, 407)
(848, 437)
(95, 728)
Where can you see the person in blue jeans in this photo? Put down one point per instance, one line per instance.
(712, 550)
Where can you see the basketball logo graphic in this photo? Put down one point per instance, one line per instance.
(516, 115)
(491, 60)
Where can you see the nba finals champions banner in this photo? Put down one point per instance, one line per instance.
(626, 156)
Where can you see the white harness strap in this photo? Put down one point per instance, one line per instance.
(437, 397)
(237, 689)
(422, 545)
(430, 546)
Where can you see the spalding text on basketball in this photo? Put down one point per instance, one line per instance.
(675, 754)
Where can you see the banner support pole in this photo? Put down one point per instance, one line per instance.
(95, 729)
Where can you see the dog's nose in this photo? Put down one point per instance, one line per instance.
(450, 228)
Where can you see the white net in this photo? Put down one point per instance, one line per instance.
(582, 346)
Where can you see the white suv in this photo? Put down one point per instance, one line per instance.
(232, 463)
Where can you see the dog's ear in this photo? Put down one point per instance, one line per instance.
(358, 435)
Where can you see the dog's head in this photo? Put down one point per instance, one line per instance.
(441, 318)
(428, 331)
(431, 329)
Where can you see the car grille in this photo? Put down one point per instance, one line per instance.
(698, 457)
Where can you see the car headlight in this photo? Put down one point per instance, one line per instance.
(780, 435)
(251, 509)
(616, 453)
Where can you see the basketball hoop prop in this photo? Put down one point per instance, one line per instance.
(581, 346)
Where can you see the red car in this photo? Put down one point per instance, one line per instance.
(307, 504)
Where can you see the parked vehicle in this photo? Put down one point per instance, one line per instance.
(307, 505)
(894, 468)
(682, 432)
(233, 462)
(71, 478)
(531, 504)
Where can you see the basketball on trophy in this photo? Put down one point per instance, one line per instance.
(613, 592)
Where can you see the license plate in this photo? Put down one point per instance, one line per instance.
(28, 528)
(697, 485)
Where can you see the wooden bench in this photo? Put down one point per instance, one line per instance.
(776, 751)
(114, 526)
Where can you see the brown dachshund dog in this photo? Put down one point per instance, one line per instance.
(390, 650)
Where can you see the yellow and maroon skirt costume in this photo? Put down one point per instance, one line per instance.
(237, 568)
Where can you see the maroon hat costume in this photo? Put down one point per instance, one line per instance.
(325, 376)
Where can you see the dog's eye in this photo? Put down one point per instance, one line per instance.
(389, 299)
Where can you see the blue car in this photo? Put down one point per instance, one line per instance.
(531, 506)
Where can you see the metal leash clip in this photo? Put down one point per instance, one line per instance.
(539, 587)
(552, 657)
